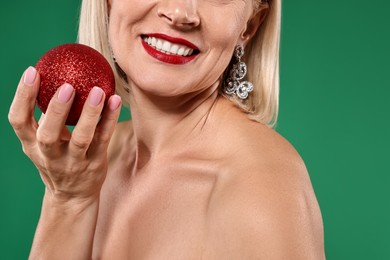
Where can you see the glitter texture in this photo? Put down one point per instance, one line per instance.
(79, 65)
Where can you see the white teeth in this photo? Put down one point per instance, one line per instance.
(180, 51)
(168, 47)
(159, 45)
(174, 48)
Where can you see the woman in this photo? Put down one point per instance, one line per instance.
(198, 172)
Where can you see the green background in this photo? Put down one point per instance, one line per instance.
(334, 109)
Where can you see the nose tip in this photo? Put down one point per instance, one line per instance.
(182, 14)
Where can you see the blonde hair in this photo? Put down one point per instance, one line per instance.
(93, 31)
(261, 56)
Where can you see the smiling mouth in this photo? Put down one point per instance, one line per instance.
(168, 47)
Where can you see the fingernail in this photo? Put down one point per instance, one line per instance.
(29, 75)
(96, 96)
(114, 103)
(65, 93)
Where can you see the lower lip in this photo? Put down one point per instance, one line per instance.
(167, 58)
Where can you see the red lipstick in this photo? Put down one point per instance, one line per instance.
(170, 58)
(173, 40)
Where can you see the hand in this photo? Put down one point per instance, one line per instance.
(72, 165)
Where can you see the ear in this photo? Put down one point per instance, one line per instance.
(254, 23)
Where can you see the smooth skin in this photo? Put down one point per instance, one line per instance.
(190, 177)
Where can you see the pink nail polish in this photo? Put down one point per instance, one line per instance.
(30, 75)
(96, 96)
(65, 93)
(114, 102)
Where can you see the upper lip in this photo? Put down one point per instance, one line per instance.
(173, 40)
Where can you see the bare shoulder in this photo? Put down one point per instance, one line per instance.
(123, 133)
(265, 206)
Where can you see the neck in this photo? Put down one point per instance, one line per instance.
(166, 124)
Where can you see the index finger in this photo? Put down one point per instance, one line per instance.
(21, 113)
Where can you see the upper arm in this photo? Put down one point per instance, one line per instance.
(291, 230)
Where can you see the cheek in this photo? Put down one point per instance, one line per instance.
(224, 27)
(121, 27)
(124, 15)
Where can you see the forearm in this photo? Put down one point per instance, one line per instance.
(65, 230)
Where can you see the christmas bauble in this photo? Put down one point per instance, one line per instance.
(79, 65)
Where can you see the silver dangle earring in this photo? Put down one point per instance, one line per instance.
(233, 84)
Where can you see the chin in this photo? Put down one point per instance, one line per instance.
(161, 87)
(162, 84)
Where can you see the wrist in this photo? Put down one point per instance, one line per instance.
(69, 204)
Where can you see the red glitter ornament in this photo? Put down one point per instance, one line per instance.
(79, 65)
